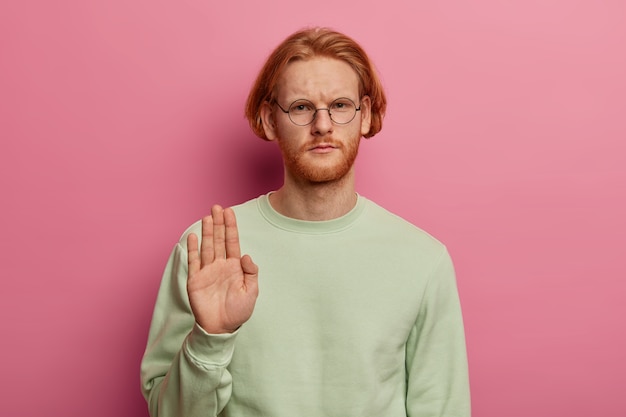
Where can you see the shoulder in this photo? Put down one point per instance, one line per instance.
(396, 228)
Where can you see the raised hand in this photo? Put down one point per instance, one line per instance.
(222, 285)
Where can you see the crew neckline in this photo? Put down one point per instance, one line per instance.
(309, 226)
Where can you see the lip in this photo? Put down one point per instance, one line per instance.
(323, 148)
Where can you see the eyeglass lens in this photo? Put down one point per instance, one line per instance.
(341, 111)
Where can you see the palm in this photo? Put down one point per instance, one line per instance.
(222, 285)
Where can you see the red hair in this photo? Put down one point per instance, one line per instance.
(306, 44)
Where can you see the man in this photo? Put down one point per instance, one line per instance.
(357, 313)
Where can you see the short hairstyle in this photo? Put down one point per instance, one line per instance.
(306, 44)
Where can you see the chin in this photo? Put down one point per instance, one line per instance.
(314, 171)
(316, 174)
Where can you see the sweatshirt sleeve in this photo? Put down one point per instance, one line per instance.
(183, 370)
(437, 374)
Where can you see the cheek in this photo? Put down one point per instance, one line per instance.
(284, 130)
(287, 142)
(290, 135)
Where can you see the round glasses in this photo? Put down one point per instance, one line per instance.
(302, 112)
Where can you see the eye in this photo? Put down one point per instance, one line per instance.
(300, 107)
(342, 105)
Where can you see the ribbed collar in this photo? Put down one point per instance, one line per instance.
(306, 226)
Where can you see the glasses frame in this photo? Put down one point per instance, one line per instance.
(356, 109)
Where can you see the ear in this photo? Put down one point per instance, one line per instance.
(366, 115)
(268, 121)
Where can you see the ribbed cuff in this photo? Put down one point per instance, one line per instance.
(210, 349)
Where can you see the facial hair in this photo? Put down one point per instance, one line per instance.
(300, 165)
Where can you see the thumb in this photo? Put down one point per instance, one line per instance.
(250, 269)
(250, 275)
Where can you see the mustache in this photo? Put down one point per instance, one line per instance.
(325, 142)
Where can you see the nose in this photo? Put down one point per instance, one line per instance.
(322, 124)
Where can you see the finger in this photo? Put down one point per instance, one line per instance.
(206, 247)
(249, 267)
(193, 257)
(232, 234)
(219, 232)
(251, 274)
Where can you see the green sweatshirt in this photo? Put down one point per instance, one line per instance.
(356, 316)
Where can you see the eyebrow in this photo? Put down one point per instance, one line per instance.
(355, 100)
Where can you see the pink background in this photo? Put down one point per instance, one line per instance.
(121, 123)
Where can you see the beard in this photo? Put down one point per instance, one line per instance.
(299, 164)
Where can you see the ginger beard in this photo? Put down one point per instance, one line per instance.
(316, 168)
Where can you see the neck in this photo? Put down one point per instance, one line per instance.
(315, 201)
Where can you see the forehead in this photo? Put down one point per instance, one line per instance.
(318, 78)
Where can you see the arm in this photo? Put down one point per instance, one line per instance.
(437, 375)
(204, 297)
